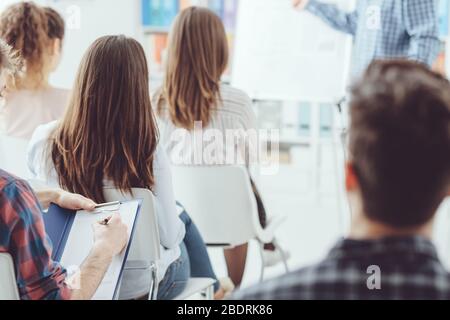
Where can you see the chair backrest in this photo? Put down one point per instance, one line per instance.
(146, 243)
(8, 285)
(13, 156)
(220, 200)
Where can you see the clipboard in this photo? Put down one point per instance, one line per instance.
(72, 237)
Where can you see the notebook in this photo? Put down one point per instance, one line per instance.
(72, 236)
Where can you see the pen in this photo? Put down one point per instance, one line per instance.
(115, 203)
(104, 222)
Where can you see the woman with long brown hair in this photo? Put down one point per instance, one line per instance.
(193, 95)
(37, 34)
(109, 137)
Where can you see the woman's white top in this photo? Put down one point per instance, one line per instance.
(233, 113)
(171, 228)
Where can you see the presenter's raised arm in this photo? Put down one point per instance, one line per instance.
(333, 16)
(422, 24)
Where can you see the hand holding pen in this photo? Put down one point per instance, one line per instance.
(111, 234)
(103, 207)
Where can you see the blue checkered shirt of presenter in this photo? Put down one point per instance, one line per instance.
(386, 29)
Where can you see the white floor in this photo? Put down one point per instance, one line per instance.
(314, 222)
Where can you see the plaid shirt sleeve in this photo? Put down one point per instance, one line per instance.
(23, 237)
(343, 21)
(421, 22)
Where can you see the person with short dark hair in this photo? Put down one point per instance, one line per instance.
(397, 176)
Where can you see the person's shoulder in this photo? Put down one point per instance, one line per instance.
(229, 93)
(160, 158)
(43, 132)
(12, 186)
(38, 144)
(63, 92)
(57, 98)
(292, 286)
(8, 179)
(236, 102)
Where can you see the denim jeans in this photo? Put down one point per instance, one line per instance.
(193, 262)
(199, 261)
(176, 277)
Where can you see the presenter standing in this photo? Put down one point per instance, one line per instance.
(384, 29)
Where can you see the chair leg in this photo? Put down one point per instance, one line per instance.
(263, 263)
(209, 293)
(153, 295)
(283, 255)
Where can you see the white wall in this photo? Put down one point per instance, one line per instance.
(96, 18)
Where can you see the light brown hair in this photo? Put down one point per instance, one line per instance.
(10, 63)
(30, 29)
(197, 58)
(109, 130)
(56, 24)
(9, 59)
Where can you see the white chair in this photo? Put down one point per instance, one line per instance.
(221, 202)
(8, 286)
(146, 247)
(13, 156)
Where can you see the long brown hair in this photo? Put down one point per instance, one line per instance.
(30, 29)
(109, 130)
(198, 56)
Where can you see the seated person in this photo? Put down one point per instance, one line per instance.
(398, 174)
(114, 138)
(22, 235)
(37, 33)
(22, 232)
(192, 95)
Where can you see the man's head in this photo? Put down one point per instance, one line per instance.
(400, 143)
(9, 65)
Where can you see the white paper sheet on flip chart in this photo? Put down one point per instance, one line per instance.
(283, 54)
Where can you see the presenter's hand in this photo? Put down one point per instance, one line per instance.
(300, 4)
(112, 237)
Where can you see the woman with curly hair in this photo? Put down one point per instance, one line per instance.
(9, 66)
(36, 33)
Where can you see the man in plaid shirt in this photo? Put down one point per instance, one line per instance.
(22, 232)
(384, 29)
(22, 235)
(397, 176)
